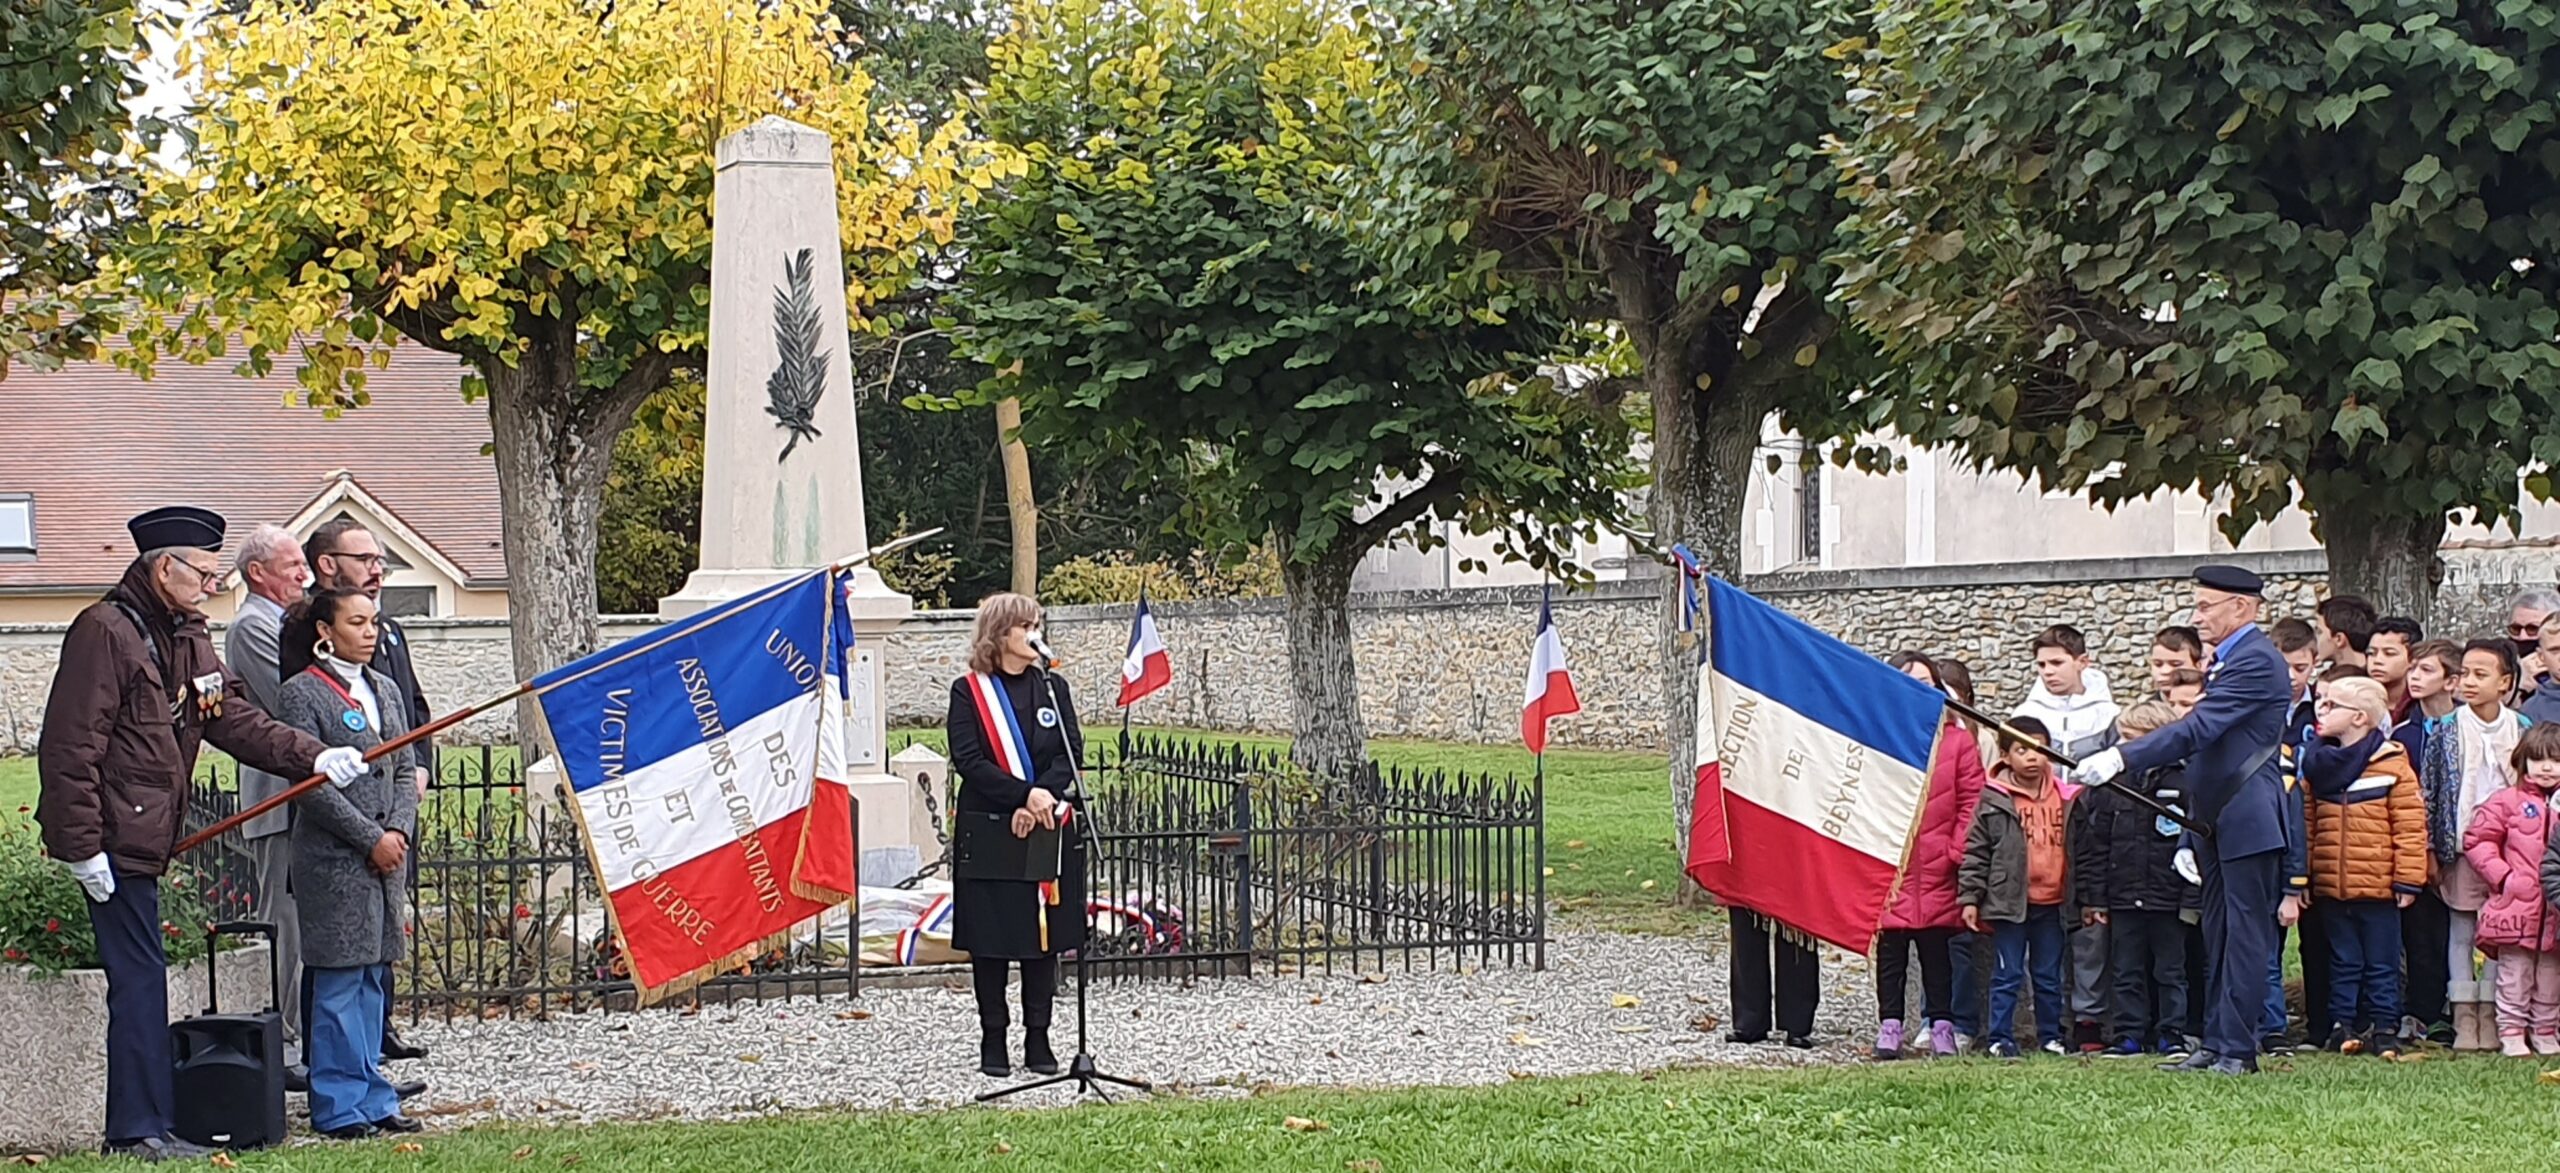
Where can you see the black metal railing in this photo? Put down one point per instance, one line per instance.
(1215, 859)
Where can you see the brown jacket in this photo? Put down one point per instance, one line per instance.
(113, 760)
(2371, 842)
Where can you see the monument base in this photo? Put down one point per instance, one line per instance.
(870, 599)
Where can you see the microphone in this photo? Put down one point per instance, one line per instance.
(1048, 659)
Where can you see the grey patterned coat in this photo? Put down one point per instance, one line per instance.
(350, 916)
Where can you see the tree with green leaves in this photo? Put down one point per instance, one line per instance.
(1168, 284)
(70, 154)
(526, 186)
(2280, 252)
(1657, 163)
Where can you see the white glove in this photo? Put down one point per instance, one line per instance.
(343, 764)
(2185, 863)
(95, 876)
(2097, 768)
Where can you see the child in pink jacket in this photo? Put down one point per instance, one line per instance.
(2505, 844)
(1923, 917)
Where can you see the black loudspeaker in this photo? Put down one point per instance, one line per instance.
(230, 1077)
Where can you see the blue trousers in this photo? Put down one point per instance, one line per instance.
(2364, 964)
(344, 1039)
(2273, 1020)
(141, 1091)
(2021, 949)
(1965, 981)
(2240, 938)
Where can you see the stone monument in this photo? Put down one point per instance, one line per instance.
(781, 463)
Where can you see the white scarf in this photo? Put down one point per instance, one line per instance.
(361, 688)
(2488, 753)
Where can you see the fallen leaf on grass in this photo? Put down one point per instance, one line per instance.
(1547, 871)
(2548, 1079)
(1302, 1124)
(1575, 845)
(571, 1161)
(522, 1153)
(1646, 886)
(27, 1159)
(1002, 1149)
(408, 1147)
(223, 1161)
(1523, 1074)
(1371, 1165)
(1705, 1024)
(1624, 1001)
(750, 1058)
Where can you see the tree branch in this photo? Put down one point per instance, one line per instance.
(1405, 510)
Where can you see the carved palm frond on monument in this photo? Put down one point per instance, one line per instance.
(799, 375)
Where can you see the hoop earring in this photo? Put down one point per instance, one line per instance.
(324, 649)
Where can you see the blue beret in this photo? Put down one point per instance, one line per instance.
(2237, 580)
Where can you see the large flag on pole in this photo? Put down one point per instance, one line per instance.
(707, 772)
(1549, 693)
(1148, 666)
(1813, 764)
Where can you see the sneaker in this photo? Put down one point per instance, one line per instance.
(2546, 1044)
(1943, 1040)
(2176, 1047)
(2124, 1047)
(2275, 1045)
(2384, 1044)
(2339, 1041)
(1967, 1044)
(2004, 1050)
(2088, 1037)
(2055, 1047)
(2441, 1034)
(1889, 1039)
(2514, 1047)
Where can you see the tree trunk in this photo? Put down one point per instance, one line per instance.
(1702, 446)
(1324, 682)
(552, 459)
(1024, 513)
(2390, 560)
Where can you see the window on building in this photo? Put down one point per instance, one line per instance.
(1809, 504)
(17, 525)
(408, 602)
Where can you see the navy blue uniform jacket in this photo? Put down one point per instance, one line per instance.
(2228, 743)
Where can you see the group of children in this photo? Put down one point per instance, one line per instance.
(2421, 880)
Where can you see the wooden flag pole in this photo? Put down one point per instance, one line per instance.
(2068, 762)
(524, 688)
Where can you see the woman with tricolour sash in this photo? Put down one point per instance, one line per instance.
(1017, 892)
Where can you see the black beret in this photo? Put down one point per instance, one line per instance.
(2237, 580)
(181, 526)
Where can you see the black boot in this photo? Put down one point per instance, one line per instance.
(987, 979)
(1039, 998)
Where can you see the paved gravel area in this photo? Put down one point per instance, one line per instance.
(1605, 1003)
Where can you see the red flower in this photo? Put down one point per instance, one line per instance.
(170, 929)
(14, 955)
(523, 913)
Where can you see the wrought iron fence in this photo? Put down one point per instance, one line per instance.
(1214, 860)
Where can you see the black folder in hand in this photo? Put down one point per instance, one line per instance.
(986, 849)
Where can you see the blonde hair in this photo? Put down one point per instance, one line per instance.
(2145, 717)
(2365, 695)
(998, 614)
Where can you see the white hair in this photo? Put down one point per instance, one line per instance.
(2537, 599)
(263, 543)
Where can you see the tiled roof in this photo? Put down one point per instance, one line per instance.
(96, 445)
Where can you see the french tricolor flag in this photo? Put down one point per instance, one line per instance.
(1148, 666)
(1813, 764)
(707, 771)
(1550, 689)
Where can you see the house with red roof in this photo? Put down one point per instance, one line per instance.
(91, 445)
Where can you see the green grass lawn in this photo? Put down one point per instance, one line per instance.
(2470, 1114)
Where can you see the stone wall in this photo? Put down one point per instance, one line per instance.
(1447, 664)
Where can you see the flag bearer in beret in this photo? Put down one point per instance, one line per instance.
(2234, 783)
(138, 690)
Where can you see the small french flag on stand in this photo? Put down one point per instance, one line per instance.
(1148, 666)
(1550, 690)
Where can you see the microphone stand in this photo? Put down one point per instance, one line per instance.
(1081, 1070)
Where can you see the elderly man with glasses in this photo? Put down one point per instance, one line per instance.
(2235, 785)
(139, 690)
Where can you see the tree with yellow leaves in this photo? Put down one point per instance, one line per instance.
(526, 186)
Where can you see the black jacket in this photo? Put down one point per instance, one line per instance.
(391, 658)
(2120, 857)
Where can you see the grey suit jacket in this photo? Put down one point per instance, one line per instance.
(249, 649)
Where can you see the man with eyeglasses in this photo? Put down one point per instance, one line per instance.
(2229, 743)
(345, 556)
(138, 692)
(2526, 618)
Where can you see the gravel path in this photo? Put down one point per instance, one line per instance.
(1605, 1003)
